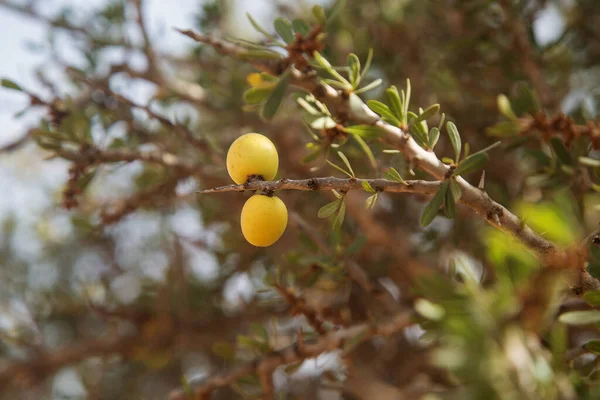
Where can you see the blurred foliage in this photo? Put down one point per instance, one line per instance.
(123, 246)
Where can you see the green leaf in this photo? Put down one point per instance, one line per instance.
(503, 129)
(407, 98)
(429, 112)
(371, 201)
(450, 204)
(367, 150)
(560, 150)
(394, 175)
(329, 209)
(589, 162)
(431, 209)
(429, 310)
(369, 86)
(274, 101)
(259, 28)
(593, 346)
(419, 133)
(454, 139)
(257, 95)
(347, 162)
(283, 27)
(395, 103)
(470, 164)
(339, 219)
(261, 55)
(319, 14)
(7, 83)
(456, 191)
(322, 61)
(335, 10)
(367, 65)
(367, 186)
(592, 297)
(505, 108)
(434, 136)
(384, 111)
(586, 317)
(339, 168)
(367, 132)
(300, 26)
(354, 64)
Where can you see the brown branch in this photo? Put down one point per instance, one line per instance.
(330, 183)
(27, 373)
(351, 106)
(92, 156)
(298, 306)
(292, 354)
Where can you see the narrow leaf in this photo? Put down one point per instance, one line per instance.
(429, 112)
(259, 28)
(470, 164)
(335, 10)
(367, 186)
(367, 150)
(367, 132)
(454, 139)
(354, 64)
(394, 175)
(371, 201)
(339, 219)
(329, 209)
(432, 208)
(319, 14)
(369, 86)
(274, 101)
(429, 310)
(300, 26)
(505, 108)
(367, 64)
(339, 168)
(450, 204)
(395, 103)
(384, 111)
(283, 27)
(347, 162)
(434, 136)
(7, 83)
(256, 95)
(586, 317)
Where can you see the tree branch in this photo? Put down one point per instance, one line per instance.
(351, 106)
(295, 353)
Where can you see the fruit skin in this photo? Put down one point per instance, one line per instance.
(252, 154)
(263, 220)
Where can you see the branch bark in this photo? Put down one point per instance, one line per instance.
(295, 353)
(351, 106)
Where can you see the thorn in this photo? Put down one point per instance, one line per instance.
(481, 181)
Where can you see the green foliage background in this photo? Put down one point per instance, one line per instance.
(486, 313)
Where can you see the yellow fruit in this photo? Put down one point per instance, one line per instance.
(264, 220)
(252, 154)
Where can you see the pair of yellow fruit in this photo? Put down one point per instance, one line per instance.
(264, 218)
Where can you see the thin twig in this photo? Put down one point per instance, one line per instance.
(357, 111)
(294, 353)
